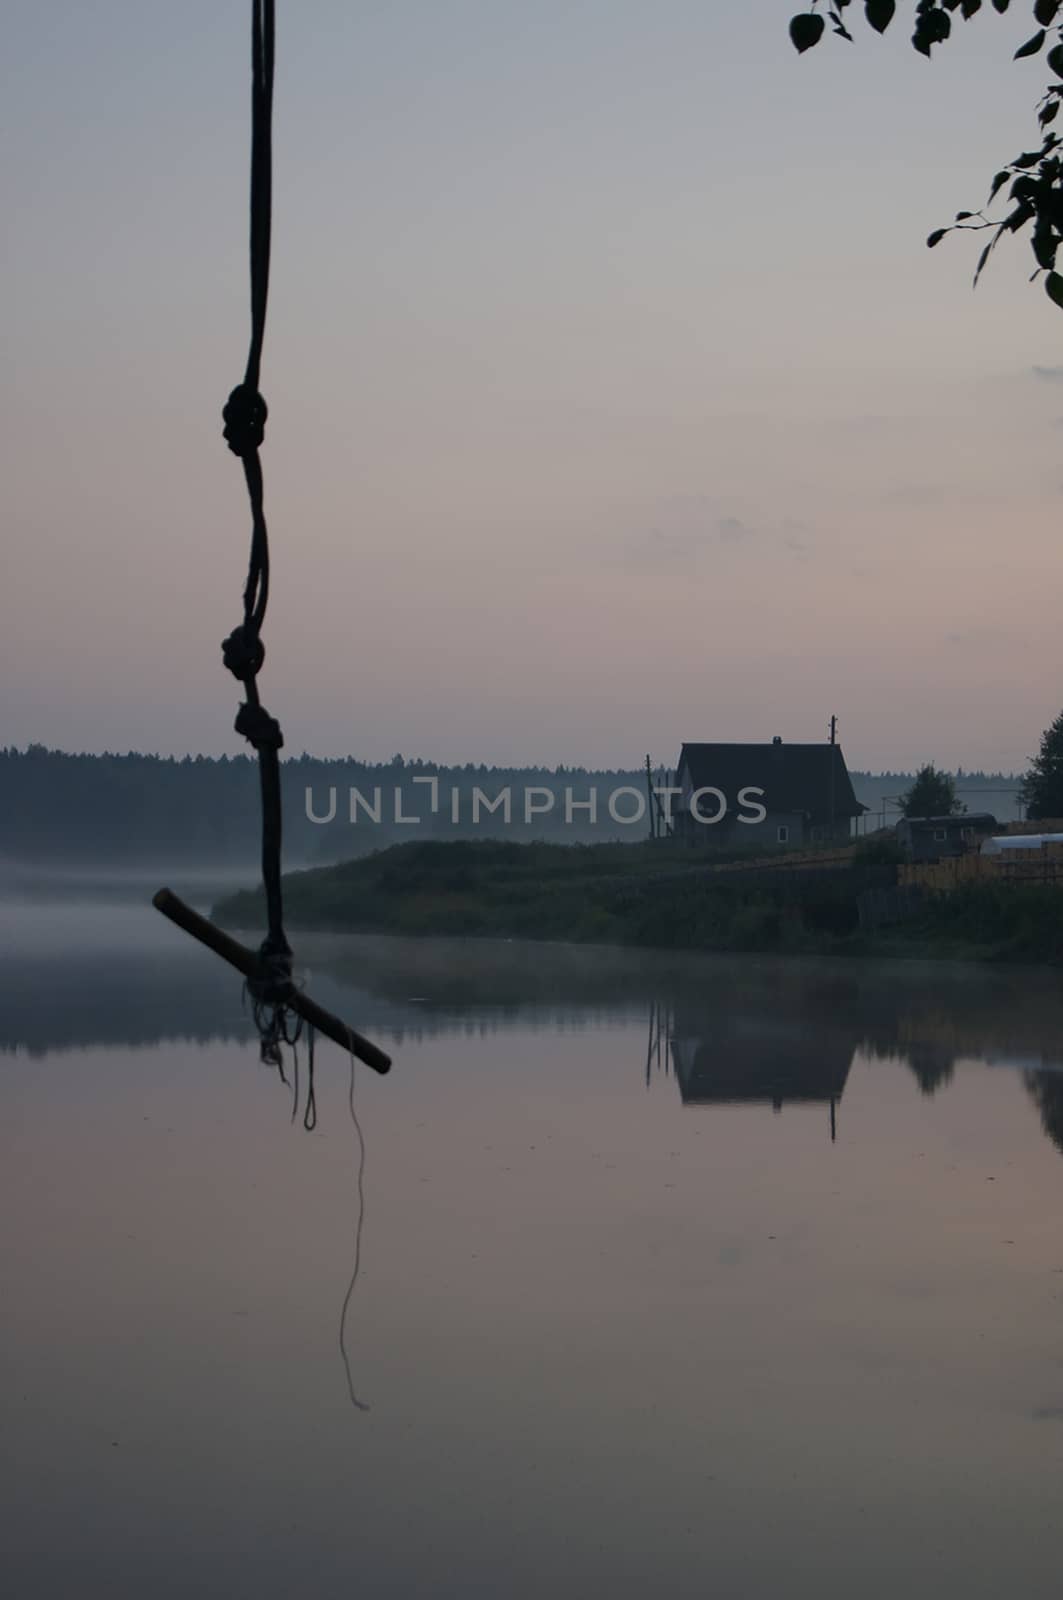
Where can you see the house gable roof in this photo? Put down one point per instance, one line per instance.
(794, 777)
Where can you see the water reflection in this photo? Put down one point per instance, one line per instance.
(620, 1307)
(730, 1030)
(743, 1059)
(1046, 1091)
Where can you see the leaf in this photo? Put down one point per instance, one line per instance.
(806, 29)
(1001, 5)
(1055, 60)
(932, 27)
(998, 183)
(984, 257)
(1054, 288)
(936, 237)
(1049, 113)
(1045, 11)
(1017, 219)
(880, 13)
(1031, 47)
(962, 216)
(1043, 243)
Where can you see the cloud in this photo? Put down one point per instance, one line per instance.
(1048, 374)
(686, 530)
(986, 636)
(667, 547)
(913, 494)
(732, 528)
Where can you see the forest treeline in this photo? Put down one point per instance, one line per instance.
(101, 809)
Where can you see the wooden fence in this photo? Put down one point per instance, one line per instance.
(1042, 864)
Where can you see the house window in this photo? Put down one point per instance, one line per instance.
(782, 833)
(941, 833)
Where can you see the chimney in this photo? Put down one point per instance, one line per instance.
(777, 739)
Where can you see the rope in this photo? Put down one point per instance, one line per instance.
(243, 652)
(362, 1405)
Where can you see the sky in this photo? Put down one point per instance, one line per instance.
(615, 399)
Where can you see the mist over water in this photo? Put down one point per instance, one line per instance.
(711, 1274)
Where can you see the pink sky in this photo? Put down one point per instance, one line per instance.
(614, 398)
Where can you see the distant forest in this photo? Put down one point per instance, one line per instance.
(137, 809)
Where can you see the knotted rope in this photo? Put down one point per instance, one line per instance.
(243, 652)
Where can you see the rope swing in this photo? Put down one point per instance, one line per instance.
(280, 1007)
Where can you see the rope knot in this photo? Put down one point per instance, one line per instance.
(244, 414)
(272, 984)
(271, 988)
(258, 727)
(243, 652)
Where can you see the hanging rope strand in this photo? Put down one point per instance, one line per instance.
(279, 1005)
(262, 28)
(245, 416)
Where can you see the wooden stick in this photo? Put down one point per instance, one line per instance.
(246, 962)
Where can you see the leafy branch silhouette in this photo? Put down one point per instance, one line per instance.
(1034, 179)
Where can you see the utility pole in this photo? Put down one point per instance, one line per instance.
(651, 797)
(833, 742)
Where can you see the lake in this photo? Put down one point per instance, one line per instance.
(692, 1275)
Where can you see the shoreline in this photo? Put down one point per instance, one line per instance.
(629, 897)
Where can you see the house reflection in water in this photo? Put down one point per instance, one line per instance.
(743, 1059)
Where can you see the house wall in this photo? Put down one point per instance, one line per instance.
(767, 832)
(824, 833)
(731, 832)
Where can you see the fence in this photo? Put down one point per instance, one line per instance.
(1042, 864)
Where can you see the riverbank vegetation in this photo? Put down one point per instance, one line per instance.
(666, 897)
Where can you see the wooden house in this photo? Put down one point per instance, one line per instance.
(775, 794)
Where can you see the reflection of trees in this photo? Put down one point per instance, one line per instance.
(932, 1064)
(73, 999)
(778, 1029)
(1046, 1091)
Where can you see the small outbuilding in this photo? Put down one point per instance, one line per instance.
(936, 838)
(1007, 842)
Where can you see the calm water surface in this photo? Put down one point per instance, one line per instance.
(679, 1275)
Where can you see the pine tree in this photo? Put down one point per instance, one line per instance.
(1042, 787)
(933, 794)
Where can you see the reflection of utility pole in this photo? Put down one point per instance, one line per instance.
(650, 1042)
(657, 1045)
(833, 1128)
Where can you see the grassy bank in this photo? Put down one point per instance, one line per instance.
(989, 922)
(649, 895)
